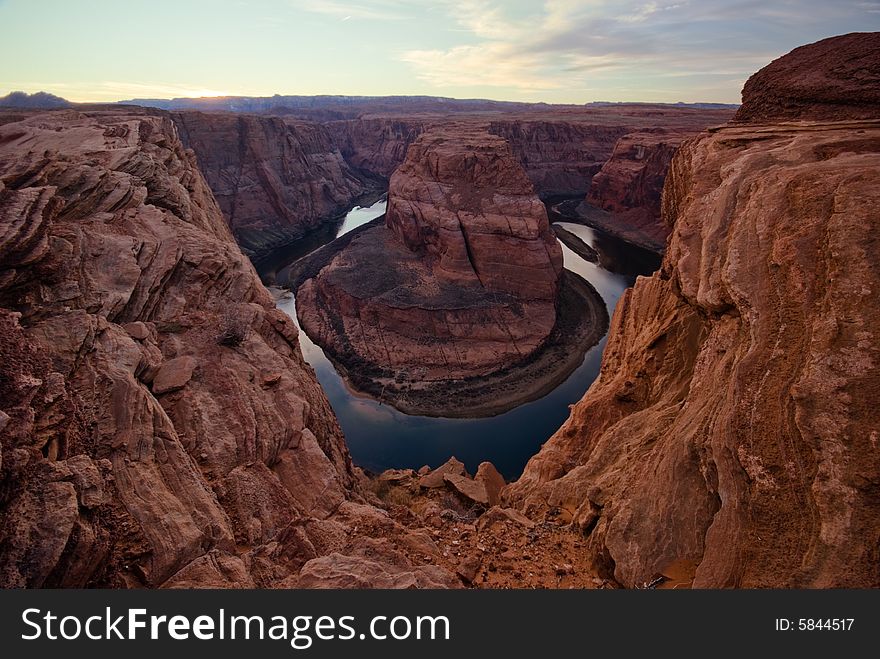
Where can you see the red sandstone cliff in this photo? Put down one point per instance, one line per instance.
(560, 157)
(560, 149)
(376, 144)
(462, 281)
(273, 179)
(159, 426)
(630, 183)
(731, 436)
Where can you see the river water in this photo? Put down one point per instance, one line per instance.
(380, 437)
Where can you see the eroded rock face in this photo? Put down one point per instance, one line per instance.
(377, 144)
(139, 444)
(560, 148)
(463, 279)
(732, 431)
(630, 183)
(832, 79)
(561, 157)
(274, 179)
(461, 200)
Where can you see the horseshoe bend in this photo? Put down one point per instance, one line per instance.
(460, 293)
(667, 313)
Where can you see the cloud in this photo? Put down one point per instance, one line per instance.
(596, 44)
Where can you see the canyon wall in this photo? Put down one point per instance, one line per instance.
(630, 183)
(731, 437)
(273, 179)
(277, 177)
(377, 145)
(560, 157)
(159, 426)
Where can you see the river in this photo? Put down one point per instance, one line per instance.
(380, 437)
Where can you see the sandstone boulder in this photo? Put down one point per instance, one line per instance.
(174, 374)
(471, 491)
(435, 477)
(493, 482)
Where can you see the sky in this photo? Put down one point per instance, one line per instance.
(557, 51)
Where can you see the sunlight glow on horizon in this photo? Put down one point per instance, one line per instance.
(556, 51)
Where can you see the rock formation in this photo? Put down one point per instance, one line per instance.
(273, 179)
(561, 155)
(377, 144)
(629, 186)
(732, 432)
(833, 79)
(463, 280)
(461, 200)
(159, 426)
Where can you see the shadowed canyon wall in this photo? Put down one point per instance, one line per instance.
(630, 184)
(273, 179)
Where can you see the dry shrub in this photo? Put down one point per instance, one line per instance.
(234, 328)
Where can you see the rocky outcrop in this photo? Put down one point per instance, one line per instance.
(461, 200)
(462, 281)
(273, 179)
(630, 183)
(159, 426)
(831, 80)
(732, 432)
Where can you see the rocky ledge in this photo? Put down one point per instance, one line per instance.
(450, 307)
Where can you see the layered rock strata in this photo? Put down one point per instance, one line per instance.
(732, 432)
(158, 425)
(629, 185)
(462, 282)
(274, 180)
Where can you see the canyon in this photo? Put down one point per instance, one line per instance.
(462, 282)
(274, 180)
(160, 427)
(276, 177)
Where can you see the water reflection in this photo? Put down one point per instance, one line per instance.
(381, 437)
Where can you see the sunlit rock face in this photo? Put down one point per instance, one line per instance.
(731, 435)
